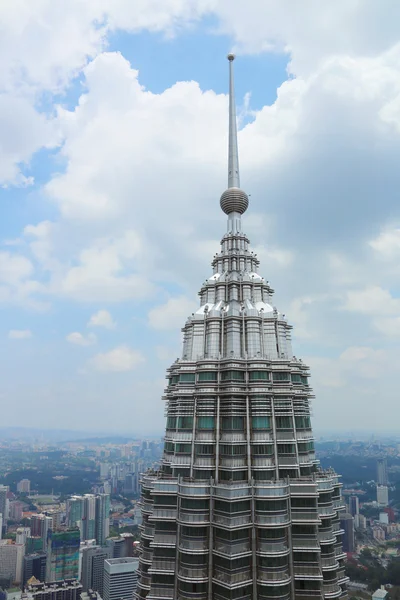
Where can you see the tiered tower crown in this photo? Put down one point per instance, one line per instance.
(240, 509)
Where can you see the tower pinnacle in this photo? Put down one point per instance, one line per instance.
(233, 200)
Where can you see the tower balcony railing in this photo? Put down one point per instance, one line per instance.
(233, 549)
(279, 575)
(287, 436)
(232, 521)
(272, 519)
(192, 517)
(145, 580)
(146, 556)
(178, 436)
(305, 543)
(340, 555)
(192, 572)
(232, 578)
(217, 596)
(164, 487)
(147, 508)
(339, 504)
(205, 436)
(329, 562)
(272, 490)
(178, 459)
(261, 436)
(270, 547)
(192, 490)
(148, 532)
(204, 461)
(324, 485)
(342, 577)
(304, 435)
(288, 461)
(193, 544)
(326, 511)
(262, 461)
(164, 539)
(332, 589)
(232, 462)
(234, 490)
(310, 516)
(326, 537)
(307, 571)
(163, 514)
(229, 436)
(309, 594)
(162, 566)
(303, 489)
(161, 593)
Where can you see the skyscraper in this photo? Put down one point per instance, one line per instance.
(34, 565)
(120, 578)
(91, 513)
(240, 508)
(92, 576)
(40, 526)
(62, 555)
(381, 467)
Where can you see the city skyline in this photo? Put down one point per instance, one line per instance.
(111, 144)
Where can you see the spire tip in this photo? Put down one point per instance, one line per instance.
(231, 57)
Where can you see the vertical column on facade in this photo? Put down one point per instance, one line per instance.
(295, 439)
(211, 541)
(193, 434)
(178, 534)
(217, 438)
(290, 544)
(248, 437)
(253, 540)
(275, 441)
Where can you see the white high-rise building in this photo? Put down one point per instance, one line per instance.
(240, 508)
(120, 578)
(382, 495)
(91, 513)
(11, 560)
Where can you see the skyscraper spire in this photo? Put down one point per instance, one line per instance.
(234, 201)
(233, 156)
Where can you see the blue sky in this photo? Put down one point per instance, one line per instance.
(110, 183)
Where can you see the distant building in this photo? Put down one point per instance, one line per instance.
(92, 573)
(354, 505)
(378, 534)
(384, 518)
(362, 522)
(34, 565)
(11, 560)
(4, 489)
(40, 525)
(380, 594)
(382, 495)
(382, 476)
(120, 578)
(347, 524)
(16, 509)
(24, 486)
(60, 590)
(91, 513)
(63, 555)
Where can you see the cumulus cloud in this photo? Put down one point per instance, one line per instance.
(19, 334)
(102, 318)
(81, 340)
(119, 359)
(171, 315)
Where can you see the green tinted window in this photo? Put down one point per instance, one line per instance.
(258, 375)
(232, 376)
(208, 376)
(205, 423)
(281, 376)
(261, 422)
(187, 377)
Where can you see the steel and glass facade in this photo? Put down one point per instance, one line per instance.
(240, 508)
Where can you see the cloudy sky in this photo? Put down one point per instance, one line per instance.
(113, 135)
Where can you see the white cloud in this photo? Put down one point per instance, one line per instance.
(372, 301)
(387, 244)
(102, 319)
(19, 334)
(81, 340)
(173, 314)
(119, 359)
